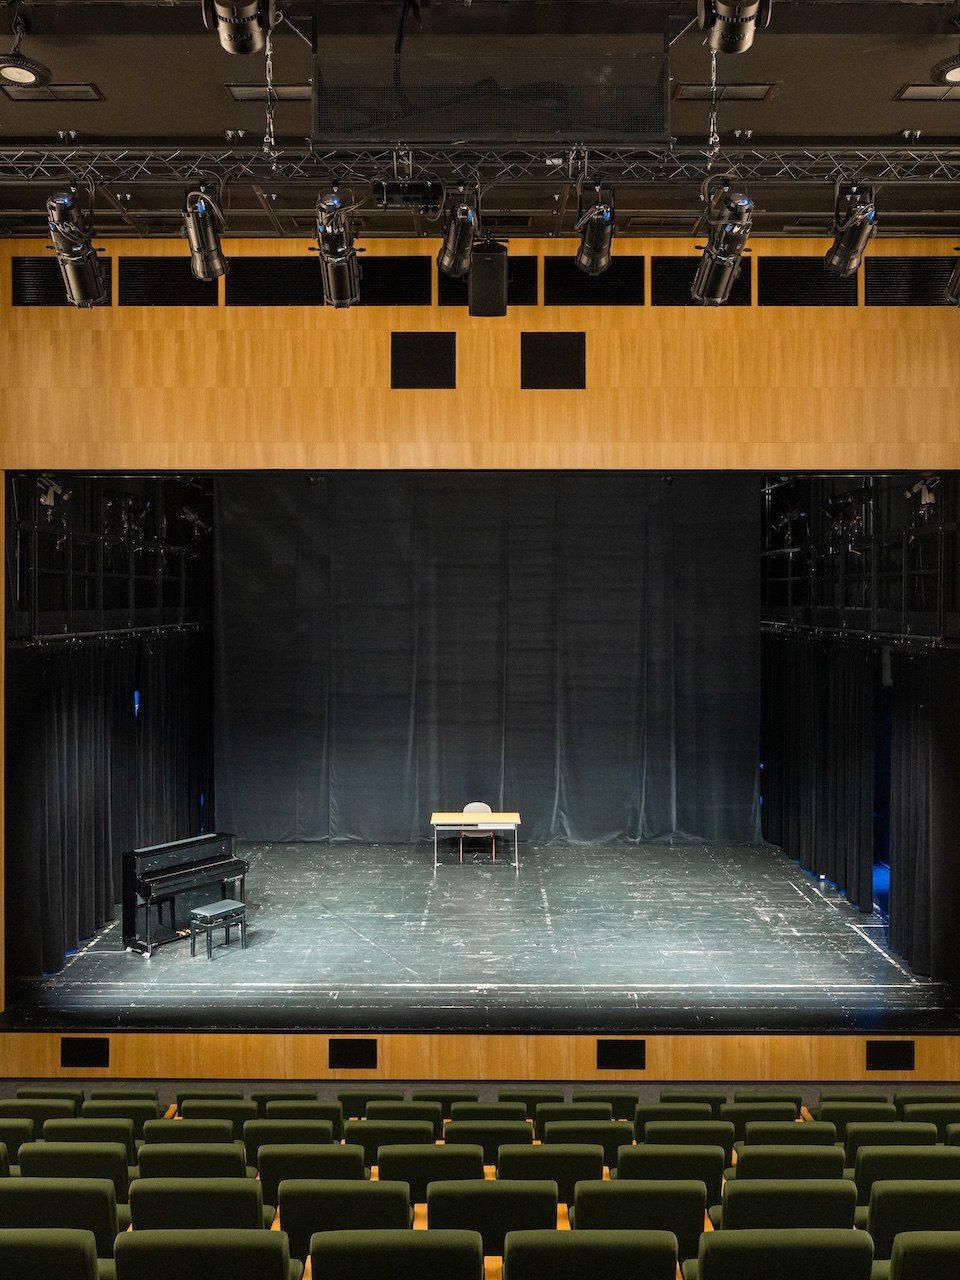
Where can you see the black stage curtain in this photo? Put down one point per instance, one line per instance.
(818, 757)
(925, 812)
(88, 778)
(583, 647)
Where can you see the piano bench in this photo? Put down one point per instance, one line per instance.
(216, 915)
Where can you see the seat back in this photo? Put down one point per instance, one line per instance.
(155, 1131)
(531, 1098)
(666, 1205)
(843, 1113)
(209, 1093)
(74, 1094)
(851, 1095)
(886, 1133)
(925, 1255)
(897, 1206)
(477, 806)
(610, 1135)
(354, 1101)
(785, 1253)
(275, 1133)
(492, 1208)
(89, 1204)
(674, 1163)
(264, 1096)
(789, 1161)
(750, 1203)
(780, 1133)
(14, 1133)
(139, 1110)
(294, 1109)
(488, 1134)
(210, 1254)
(308, 1205)
(401, 1255)
(770, 1095)
(714, 1098)
(741, 1113)
(550, 1111)
(907, 1097)
(278, 1163)
(4, 1161)
(86, 1130)
(488, 1111)
(623, 1104)
(710, 1133)
(38, 1110)
(419, 1165)
(446, 1098)
(237, 1110)
(374, 1134)
(571, 1255)
(916, 1164)
(80, 1160)
(109, 1093)
(163, 1203)
(939, 1113)
(650, 1112)
(62, 1252)
(566, 1164)
(192, 1160)
(429, 1111)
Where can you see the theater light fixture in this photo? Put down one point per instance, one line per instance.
(339, 268)
(71, 229)
(854, 222)
(729, 218)
(730, 27)
(241, 25)
(456, 252)
(952, 292)
(202, 224)
(16, 68)
(596, 227)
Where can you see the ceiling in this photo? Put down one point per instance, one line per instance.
(161, 114)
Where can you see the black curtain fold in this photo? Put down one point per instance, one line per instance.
(582, 646)
(91, 773)
(818, 757)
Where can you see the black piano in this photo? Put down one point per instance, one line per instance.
(155, 876)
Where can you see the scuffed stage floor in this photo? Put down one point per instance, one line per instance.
(613, 938)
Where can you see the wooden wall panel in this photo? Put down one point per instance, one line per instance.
(273, 1056)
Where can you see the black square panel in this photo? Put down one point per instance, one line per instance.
(37, 282)
(521, 284)
(163, 282)
(802, 282)
(395, 282)
(552, 361)
(274, 282)
(565, 285)
(907, 282)
(673, 277)
(423, 360)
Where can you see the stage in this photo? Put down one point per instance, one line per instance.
(614, 938)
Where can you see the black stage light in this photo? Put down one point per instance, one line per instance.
(70, 230)
(339, 269)
(952, 291)
(456, 253)
(730, 27)
(202, 223)
(242, 25)
(854, 222)
(596, 229)
(729, 217)
(16, 68)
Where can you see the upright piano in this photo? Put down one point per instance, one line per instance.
(155, 875)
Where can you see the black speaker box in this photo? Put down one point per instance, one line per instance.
(487, 287)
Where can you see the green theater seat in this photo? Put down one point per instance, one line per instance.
(419, 1165)
(579, 1255)
(492, 1208)
(391, 1255)
(308, 1205)
(783, 1254)
(53, 1253)
(626, 1205)
(287, 1160)
(206, 1254)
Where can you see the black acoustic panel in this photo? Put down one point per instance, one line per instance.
(907, 282)
(37, 282)
(621, 1055)
(802, 282)
(274, 282)
(521, 284)
(84, 1051)
(565, 285)
(395, 282)
(672, 278)
(163, 282)
(423, 360)
(553, 361)
(890, 1055)
(351, 1055)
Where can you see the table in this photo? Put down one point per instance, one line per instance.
(488, 821)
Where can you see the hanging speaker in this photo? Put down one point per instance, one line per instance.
(487, 281)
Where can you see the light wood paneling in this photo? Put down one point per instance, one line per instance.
(270, 1056)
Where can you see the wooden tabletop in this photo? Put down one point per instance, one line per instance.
(474, 819)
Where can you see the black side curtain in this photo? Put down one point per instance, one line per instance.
(108, 748)
(925, 812)
(818, 757)
(582, 647)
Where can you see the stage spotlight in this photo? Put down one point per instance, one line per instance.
(952, 291)
(854, 222)
(596, 229)
(456, 254)
(202, 223)
(339, 269)
(16, 68)
(70, 229)
(730, 27)
(241, 25)
(729, 217)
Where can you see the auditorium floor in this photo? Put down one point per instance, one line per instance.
(612, 938)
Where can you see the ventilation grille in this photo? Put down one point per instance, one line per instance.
(907, 282)
(274, 282)
(521, 284)
(395, 282)
(673, 277)
(37, 282)
(163, 282)
(802, 282)
(565, 285)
